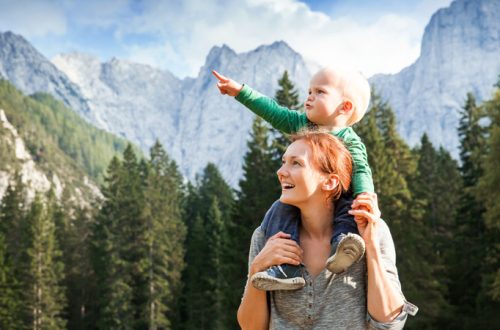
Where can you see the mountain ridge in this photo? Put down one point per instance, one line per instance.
(197, 125)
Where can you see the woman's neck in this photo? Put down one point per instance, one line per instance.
(317, 219)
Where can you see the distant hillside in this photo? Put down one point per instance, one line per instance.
(58, 143)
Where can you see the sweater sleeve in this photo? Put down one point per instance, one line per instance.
(281, 118)
(389, 261)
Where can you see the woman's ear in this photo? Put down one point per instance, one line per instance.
(331, 182)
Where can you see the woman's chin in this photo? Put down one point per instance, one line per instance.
(286, 199)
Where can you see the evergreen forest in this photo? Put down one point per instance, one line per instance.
(157, 252)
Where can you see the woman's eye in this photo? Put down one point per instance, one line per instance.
(321, 92)
(296, 163)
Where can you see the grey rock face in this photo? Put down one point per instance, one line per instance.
(191, 119)
(132, 100)
(31, 72)
(460, 53)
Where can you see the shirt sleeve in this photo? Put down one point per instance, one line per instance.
(256, 244)
(362, 175)
(281, 118)
(389, 261)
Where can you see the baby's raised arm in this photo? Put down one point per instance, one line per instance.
(281, 118)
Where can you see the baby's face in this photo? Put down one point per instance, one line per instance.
(324, 98)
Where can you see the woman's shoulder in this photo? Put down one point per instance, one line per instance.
(258, 235)
(384, 227)
(257, 242)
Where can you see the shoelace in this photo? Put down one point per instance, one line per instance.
(282, 271)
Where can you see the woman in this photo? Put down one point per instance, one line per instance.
(316, 169)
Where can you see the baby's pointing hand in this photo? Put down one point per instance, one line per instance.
(226, 85)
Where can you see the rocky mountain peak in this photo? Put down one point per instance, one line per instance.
(459, 54)
(31, 72)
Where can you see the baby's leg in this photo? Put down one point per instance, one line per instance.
(347, 245)
(284, 218)
(343, 222)
(281, 217)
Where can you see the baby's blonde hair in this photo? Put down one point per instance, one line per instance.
(354, 87)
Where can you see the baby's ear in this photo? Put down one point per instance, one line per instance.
(347, 106)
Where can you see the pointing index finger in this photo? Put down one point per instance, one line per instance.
(219, 76)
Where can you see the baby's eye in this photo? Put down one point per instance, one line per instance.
(321, 91)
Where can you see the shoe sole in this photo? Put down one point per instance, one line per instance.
(265, 282)
(349, 251)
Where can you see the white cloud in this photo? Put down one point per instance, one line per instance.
(98, 13)
(32, 19)
(190, 28)
(179, 34)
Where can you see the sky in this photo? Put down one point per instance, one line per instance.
(381, 36)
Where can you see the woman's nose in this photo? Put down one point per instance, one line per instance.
(281, 171)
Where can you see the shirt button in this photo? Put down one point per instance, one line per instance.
(310, 305)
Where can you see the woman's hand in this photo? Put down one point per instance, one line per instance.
(226, 85)
(279, 249)
(366, 214)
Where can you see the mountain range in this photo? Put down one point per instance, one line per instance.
(459, 54)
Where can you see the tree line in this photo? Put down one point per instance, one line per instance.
(156, 252)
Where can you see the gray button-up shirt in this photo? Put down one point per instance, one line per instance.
(331, 301)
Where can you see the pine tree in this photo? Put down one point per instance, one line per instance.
(259, 188)
(113, 292)
(370, 132)
(138, 243)
(207, 251)
(9, 301)
(467, 253)
(437, 184)
(488, 190)
(165, 238)
(12, 216)
(133, 240)
(286, 96)
(73, 229)
(196, 281)
(43, 294)
(215, 235)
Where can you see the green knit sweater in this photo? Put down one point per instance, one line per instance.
(291, 121)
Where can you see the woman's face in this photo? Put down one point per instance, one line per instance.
(300, 179)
